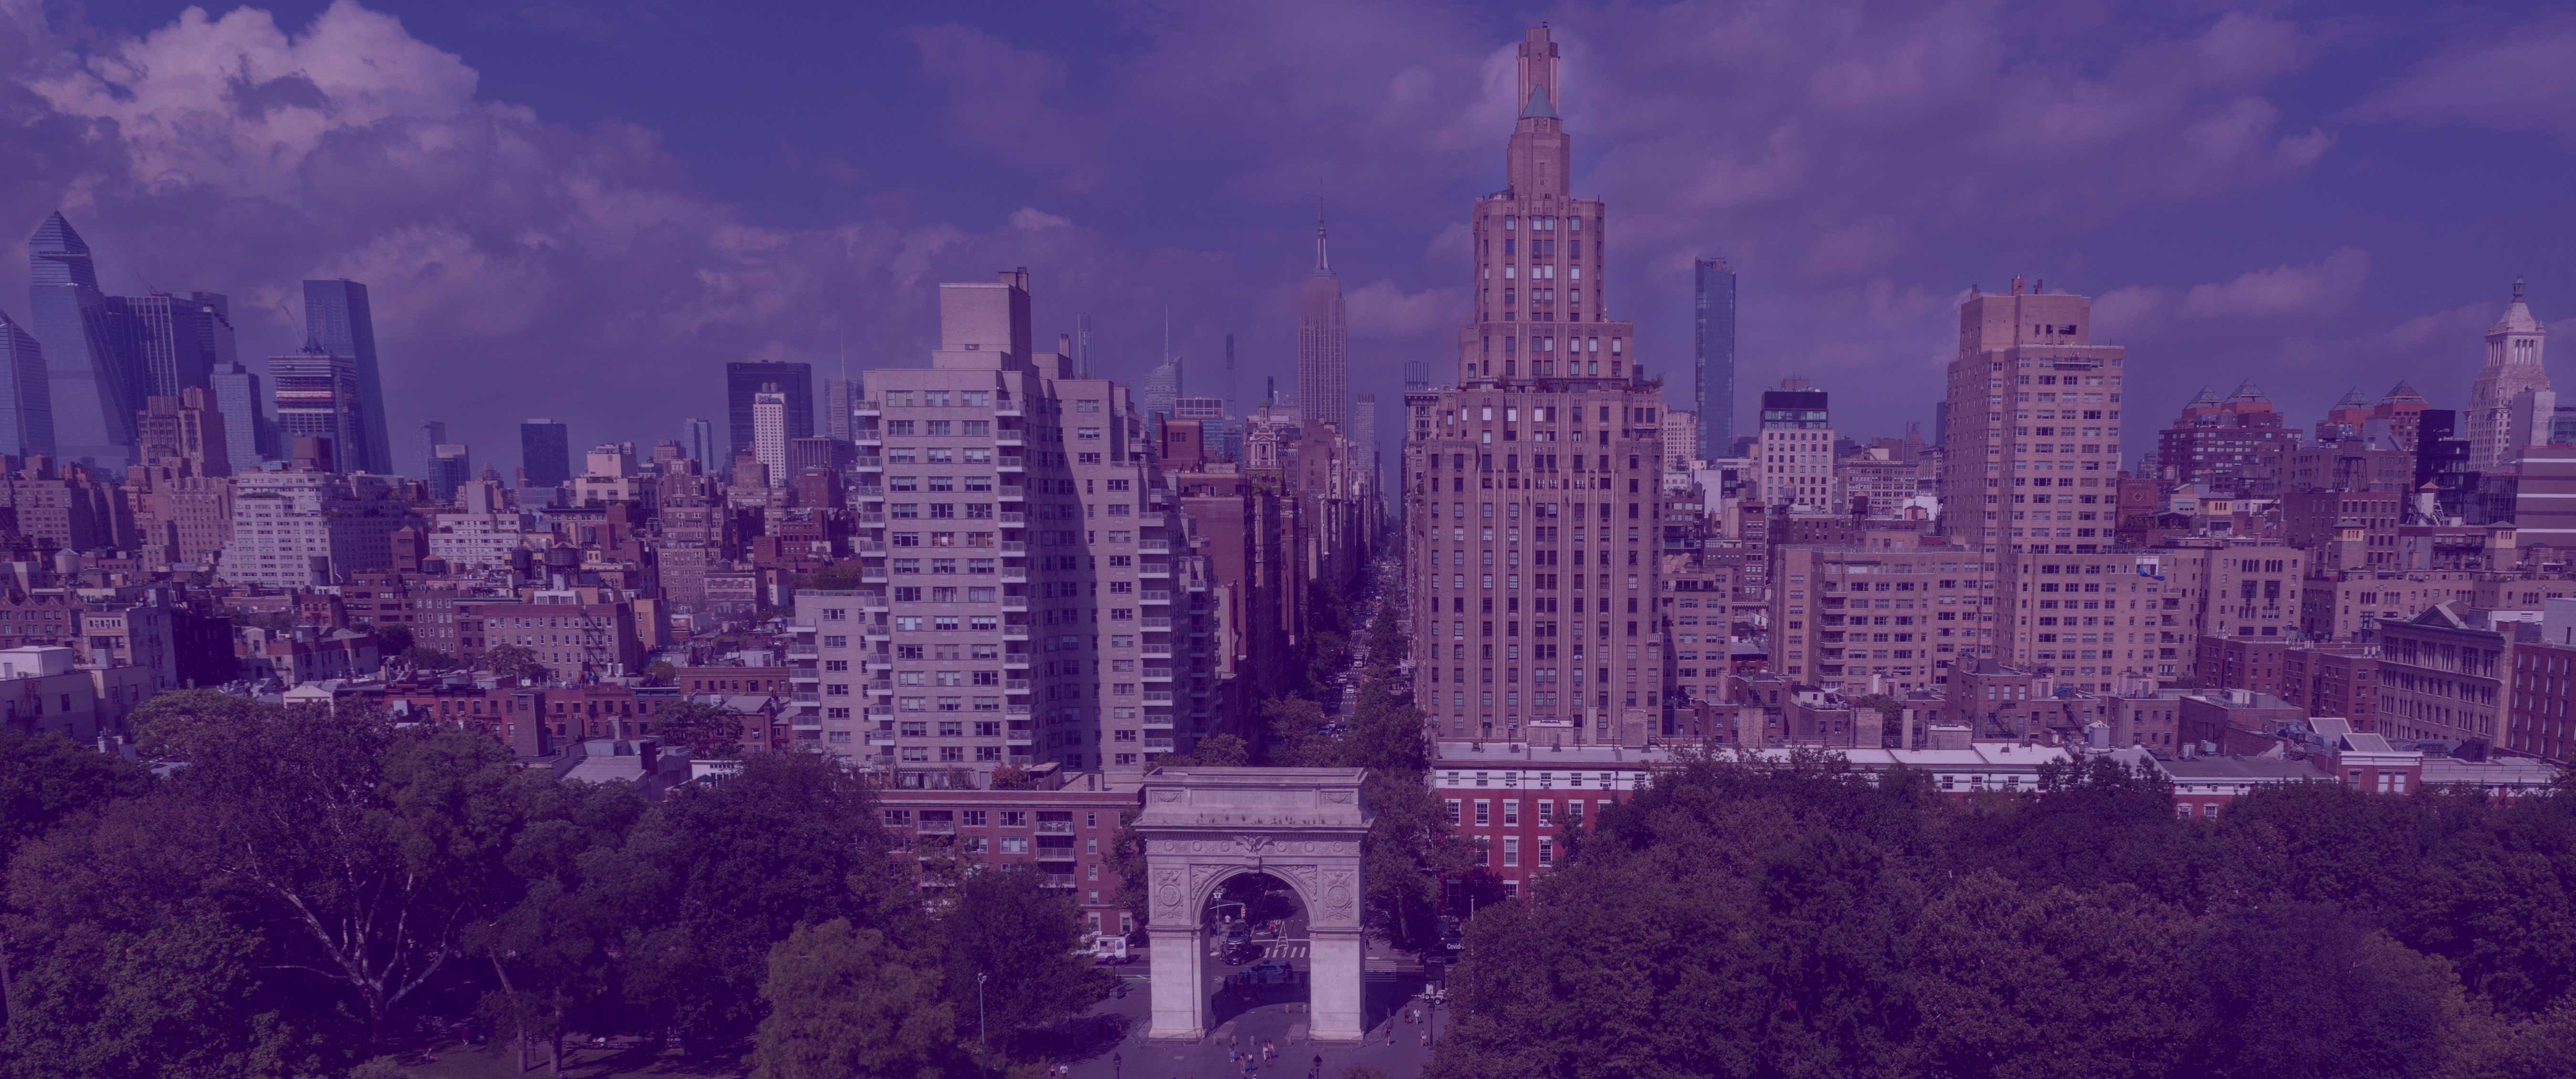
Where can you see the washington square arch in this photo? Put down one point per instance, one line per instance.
(1204, 826)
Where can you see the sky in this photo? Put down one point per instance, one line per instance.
(582, 209)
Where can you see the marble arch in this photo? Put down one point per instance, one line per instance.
(1204, 826)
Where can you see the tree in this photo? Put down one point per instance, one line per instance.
(719, 874)
(513, 663)
(550, 951)
(1023, 938)
(1222, 751)
(660, 673)
(424, 658)
(1296, 729)
(391, 639)
(2311, 991)
(846, 1001)
(372, 847)
(708, 732)
(1996, 964)
(45, 778)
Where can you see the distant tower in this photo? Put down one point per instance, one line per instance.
(2499, 425)
(95, 384)
(26, 406)
(337, 317)
(1323, 343)
(769, 436)
(545, 453)
(1713, 356)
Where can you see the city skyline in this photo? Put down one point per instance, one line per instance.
(1843, 281)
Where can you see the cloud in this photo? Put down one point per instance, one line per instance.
(1384, 309)
(1031, 219)
(2322, 288)
(2513, 77)
(2325, 287)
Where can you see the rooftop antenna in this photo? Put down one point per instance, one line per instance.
(1082, 347)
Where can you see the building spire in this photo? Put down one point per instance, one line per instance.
(1323, 262)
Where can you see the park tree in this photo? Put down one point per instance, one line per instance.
(1021, 938)
(846, 1000)
(717, 875)
(372, 847)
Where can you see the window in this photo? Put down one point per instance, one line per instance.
(1484, 813)
(1511, 850)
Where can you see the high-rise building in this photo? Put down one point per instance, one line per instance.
(1531, 484)
(249, 437)
(2034, 420)
(2497, 431)
(769, 432)
(337, 317)
(301, 527)
(1029, 592)
(1323, 344)
(93, 381)
(1797, 447)
(318, 397)
(450, 466)
(545, 452)
(836, 408)
(174, 338)
(1681, 440)
(1162, 396)
(1713, 355)
(744, 381)
(26, 403)
(701, 441)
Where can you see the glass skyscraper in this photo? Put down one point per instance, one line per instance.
(94, 384)
(545, 453)
(26, 406)
(249, 437)
(337, 317)
(1713, 356)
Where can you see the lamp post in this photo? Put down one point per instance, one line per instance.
(983, 1056)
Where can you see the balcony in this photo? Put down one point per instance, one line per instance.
(1016, 711)
(871, 517)
(885, 713)
(1012, 493)
(1014, 632)
(804, 696)
(870, 547)
(1015, 575)
(1055, 827)
(1015, 603)
(880, 663)
(1011, 463)
(1058, 880)
(939, 827)
(1015, 661)
(1016, 685)
(1158, 674)
(1158, 696)
(874, 601)
(1155, 597)
(867, 490)
(1008, 406)
(1011, 437)
(1153, 568)
(1159, 651)
(1015, 547)
(868, 461)
(873, 575)
(1158, 745)
(866, 408)
(1154, 546)
(880, 738)
(1158, 622)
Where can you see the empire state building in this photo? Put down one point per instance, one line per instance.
(1531, 481)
